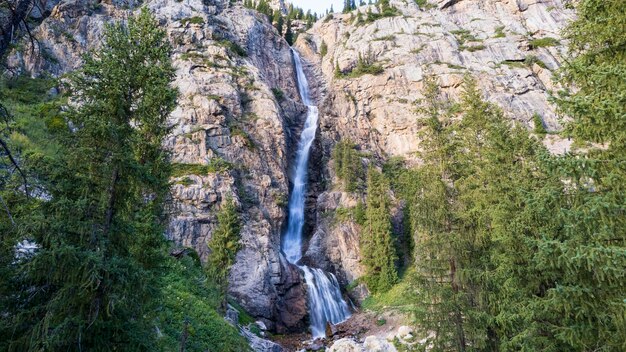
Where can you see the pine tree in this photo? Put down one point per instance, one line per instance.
(581, 246)
(288, 33)
(440, 301)
(348, 166)
(93, 279)
(279, 22)
(224, 244)
(323, 49)
(378, 252)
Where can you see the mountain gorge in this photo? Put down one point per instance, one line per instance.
(235, 130)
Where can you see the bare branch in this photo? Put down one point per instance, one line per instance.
(15, 164)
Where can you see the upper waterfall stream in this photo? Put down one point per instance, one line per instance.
(324, 295)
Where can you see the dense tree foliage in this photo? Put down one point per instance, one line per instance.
(378, 253)
(518, 249)
(284, 23)
(224, 243)
(348, 166)
(97, 275)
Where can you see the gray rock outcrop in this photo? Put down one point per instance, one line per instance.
(510, 47)
(238, 117)
(231, 129)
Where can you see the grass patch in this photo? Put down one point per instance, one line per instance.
(425, 5)
(500, 32)
(543, 42)
(233, 47)
(244, 317)
(185, 182)
(387, 38)
(400, 297)
(531, 59)
(192, 20)
(473, 48)
(452, 66)
(35, 114)
(356, 214)
(463, 36)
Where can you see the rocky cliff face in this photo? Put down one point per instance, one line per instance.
(239, 112)
(237, 118)
(511, 47)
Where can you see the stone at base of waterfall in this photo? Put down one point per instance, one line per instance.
(378, 344)
(346, 345)
(405, 333)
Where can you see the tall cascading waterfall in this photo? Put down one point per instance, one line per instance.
(325, 301)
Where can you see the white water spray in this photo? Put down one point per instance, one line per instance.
(325, 301)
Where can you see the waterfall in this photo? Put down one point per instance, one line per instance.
(325, 301)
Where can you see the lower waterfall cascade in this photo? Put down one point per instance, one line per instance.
(326, 303)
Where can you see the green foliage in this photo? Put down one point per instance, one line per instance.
(378, 252)
(400, 297)
(348, 166)
(540, 129)
(224, 243)
(425, 5)
(190, 302)
(463, 36)
(234, 47)
(245, 319)
(530, 60)
(597, 38)
(500, 32)
(192, 20)
(236, 130)
(364, 66)
(348, 6)
(215, 165)
(100, 229)
(289, 36)
(323, 49)
(356, 214)
(516, 249)
(543, 42)
(278, 94)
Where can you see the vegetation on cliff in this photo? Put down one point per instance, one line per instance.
(516, 248)
(87, 207)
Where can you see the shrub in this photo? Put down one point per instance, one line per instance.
(278, 94)
(323, 49)
(540, 129)
(543, 42)
(348, 166)
(192, 20)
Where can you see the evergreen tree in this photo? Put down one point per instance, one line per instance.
(92, 282)
(323, 49)
(348, 166)
(288, 33)
(581, 246)
(440, 302)
(224, 244)
(377, 244)
(279, 22)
